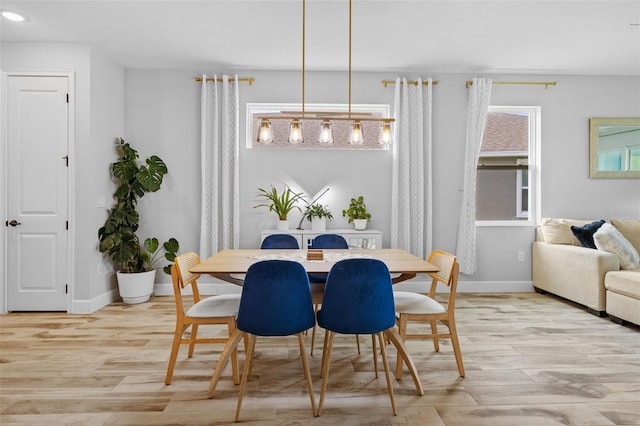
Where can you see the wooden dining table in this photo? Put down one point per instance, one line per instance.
(401, 264)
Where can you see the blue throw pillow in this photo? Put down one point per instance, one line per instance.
(585, 233)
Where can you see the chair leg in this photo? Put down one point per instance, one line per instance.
(375, 354)
(307, 373)
(358, 344)
(434, 331)
(324, 352)
(387, 373)
(326, 362)
(402, 331)
(245, 373)
(456, 349)
(175, 347)
(194, 335)
(229, 348)
(313, 332)
(235, 370)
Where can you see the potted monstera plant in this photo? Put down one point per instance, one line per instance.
(134, 260)
(357, 213)
(280, 203)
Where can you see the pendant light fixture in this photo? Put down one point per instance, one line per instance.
(297, 118)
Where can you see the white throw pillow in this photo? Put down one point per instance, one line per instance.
(608, 238)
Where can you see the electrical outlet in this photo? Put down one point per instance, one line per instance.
(520, 256)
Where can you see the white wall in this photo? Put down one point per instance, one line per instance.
(161, 115)
(163, 118)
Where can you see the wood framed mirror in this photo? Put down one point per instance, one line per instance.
(614, 147)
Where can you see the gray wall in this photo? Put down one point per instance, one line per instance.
(162, 116)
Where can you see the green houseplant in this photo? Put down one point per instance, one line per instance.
(117, 237)
(280, 203)
(318, 214)
(357, 213)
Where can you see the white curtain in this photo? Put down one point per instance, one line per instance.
(411, 192)
(219, 227)
(479, 94)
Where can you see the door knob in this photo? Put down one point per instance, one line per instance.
(12, 223)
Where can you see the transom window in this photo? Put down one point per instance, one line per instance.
(507, 174)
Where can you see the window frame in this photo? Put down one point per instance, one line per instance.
(534, 167)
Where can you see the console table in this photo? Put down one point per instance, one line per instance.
(367, 239)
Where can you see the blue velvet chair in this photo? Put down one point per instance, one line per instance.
(326, 241)
(280, 241)
(358, 299)
(276, 301)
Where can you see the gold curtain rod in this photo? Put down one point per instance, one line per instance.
(249, 80)
(546, 84)
(414, 82)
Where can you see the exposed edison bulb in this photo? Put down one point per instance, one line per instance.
(356, 136)
(265, 133)
(326, 134)
(295, 131)
(386, 136)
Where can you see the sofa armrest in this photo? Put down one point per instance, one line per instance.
(575, 273)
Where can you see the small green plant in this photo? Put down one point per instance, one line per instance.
(357, 210)
(317, 210)
(281, 204)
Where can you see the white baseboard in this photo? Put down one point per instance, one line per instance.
(92, 305)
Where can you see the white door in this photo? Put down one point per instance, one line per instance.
(37, 175)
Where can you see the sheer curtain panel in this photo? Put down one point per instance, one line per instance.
(479, 94)
(411, 199)
(219, 228)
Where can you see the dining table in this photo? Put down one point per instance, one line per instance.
(230, 264)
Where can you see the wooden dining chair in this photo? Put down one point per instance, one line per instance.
(213, 310)
(276, 301)
(358, 299)
(411, 307)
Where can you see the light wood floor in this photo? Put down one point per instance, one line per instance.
(530, 360)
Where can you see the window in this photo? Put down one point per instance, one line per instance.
(507, 178)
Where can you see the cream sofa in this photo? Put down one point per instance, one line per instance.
(587, 276)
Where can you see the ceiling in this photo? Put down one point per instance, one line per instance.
(437, 36)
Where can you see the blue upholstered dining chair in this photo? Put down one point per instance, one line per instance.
(276, 301)
(326, 241)
(279, 241)
(358, 299)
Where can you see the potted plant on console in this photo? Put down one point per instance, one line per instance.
(357, 213)
(318, 214)
(134, 261)
(280, 203)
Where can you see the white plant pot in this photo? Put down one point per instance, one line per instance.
(319, 224)
(137, 287)
(360, 224)
(283, 225)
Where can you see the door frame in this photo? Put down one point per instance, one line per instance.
(4, 150)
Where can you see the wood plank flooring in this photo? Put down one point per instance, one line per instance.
(530, 359)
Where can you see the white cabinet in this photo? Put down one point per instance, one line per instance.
(369, 239)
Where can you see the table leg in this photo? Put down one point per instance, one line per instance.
(394, 337)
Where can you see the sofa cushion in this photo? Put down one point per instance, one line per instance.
(626, 283)
(608, 238)
(558, 231)
(630, 229)
(584, 234)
